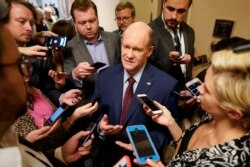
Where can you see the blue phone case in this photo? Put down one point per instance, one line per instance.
(142, 144)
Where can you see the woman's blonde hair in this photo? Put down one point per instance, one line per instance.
(232, 81)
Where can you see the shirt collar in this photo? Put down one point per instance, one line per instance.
(137, 76)
(100, 39)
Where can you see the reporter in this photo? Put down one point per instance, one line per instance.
(223, 137)
(13, 104)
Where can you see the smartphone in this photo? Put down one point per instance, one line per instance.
(58, 41)
(182, 96)
(123, 162)
(55, 116)
(98, 65)
(144, 99)
(91, 128)
(95, 99)
(142, 144)
(62, 73)
(193, 85)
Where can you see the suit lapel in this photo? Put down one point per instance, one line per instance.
(83, 50)
(163, 33)
(108, 47)
(143, 87)
(118, 93)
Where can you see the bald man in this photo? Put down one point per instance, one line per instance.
(136, 49)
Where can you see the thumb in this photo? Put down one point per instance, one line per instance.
(43, 130)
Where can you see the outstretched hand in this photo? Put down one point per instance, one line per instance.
(108, 129)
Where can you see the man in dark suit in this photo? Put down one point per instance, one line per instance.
(165, 53)
(110, 88)
(90, 45)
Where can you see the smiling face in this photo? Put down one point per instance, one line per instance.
(174, 11)
(136, 47)
(21, 23)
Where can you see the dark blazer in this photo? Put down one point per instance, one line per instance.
(109, 87)
(78, 52)
(163, 45)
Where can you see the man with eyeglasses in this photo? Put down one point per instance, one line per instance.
(89, 46)
(170, 29)
(124, 16)
(13, 104)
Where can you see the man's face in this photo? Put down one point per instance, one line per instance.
(12, 87)
(174, 11)
(124, 18)
(21, 23)
(135, 50)
(87, 24)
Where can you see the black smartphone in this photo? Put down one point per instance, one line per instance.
(185, 97)
(55, 116)
(142, 144)
(144, 99)
(98, 65)
(58, 41)
(95, 99)
(91, 128)
(62, 73)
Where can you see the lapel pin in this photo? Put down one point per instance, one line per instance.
(148, 83)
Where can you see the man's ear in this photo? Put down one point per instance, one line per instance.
(151, 49)
(235, 114)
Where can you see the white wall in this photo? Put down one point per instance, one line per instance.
(204, 12)
(106, 13)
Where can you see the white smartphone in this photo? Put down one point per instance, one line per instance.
(193, 85)
(123, 162)
(142, 144)
(144, 99)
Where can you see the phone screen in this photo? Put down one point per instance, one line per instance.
(146, 100)
(55, 41)
(142, 143)
(54, 116)
(149, 103)
(193, 88)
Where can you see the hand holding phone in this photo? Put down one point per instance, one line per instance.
(98, 65)
(144, 99)
(62, 73)
(142, 144)
(91, 128)
(58, 41)
(55, 116)
(123, 162)
(193, 85)
(182, 96)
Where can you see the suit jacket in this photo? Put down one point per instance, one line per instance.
(156, 84)
(163, 45)
(77, 52)
(117, 32)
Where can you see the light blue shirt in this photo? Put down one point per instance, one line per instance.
(97, 51)
(137, 78)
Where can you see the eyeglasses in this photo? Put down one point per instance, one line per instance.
(124, 19)
(172, 9)
(25, 65)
